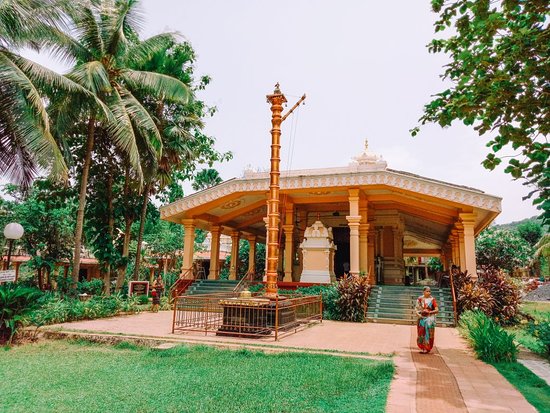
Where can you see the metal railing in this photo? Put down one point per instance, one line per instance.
(245, 281)
(180, 285)
(230, 315)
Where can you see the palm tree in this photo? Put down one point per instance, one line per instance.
(104, 46)
(27, 145)
(542, 253)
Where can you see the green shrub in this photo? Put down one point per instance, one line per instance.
(92, 287)
(491, 342)
(540, 329)
(65, 284)
(344, 300)
(169, 279)
(143, 299)
(16, 303)
(329, 293)
(165, 304)
(60, 309)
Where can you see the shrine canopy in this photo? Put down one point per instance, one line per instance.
(374, 211)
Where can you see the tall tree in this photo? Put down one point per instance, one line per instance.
(180, 124)
(46, 212)
(104, 46)
(502, 249)
(206, 178)
(498, 70)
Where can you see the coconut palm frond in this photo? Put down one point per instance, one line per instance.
(63, 47)
(142, 53)
(26, 143)
(121, 131)
(142, 121)
(162, 87)
(542, 247)
(88, 31)
(92, 76)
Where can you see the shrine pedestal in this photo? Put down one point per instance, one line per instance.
(318, 255)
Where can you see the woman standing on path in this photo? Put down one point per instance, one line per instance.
(426, 309)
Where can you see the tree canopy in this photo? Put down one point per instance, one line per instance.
(502, 249)
(499, 83)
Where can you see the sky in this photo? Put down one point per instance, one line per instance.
(365, 69)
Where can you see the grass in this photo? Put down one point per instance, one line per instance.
(79, 376)
(527, 340)
(537, 308)
(533, 388)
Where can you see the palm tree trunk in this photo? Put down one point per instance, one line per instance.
(82, 198)
(111, 228)
(128, 220)
(141, 228)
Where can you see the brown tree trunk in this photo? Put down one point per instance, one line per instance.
(111, 229)
(141, 228)
(82, 198)
(127, 232)
(40, 282)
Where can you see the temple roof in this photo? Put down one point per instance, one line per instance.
(240, 203)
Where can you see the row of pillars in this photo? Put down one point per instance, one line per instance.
(362, 243)
(215, 230)
(462, 243)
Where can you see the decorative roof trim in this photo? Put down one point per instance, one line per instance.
(338, 177)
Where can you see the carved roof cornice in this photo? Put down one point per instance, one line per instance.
(338, 177)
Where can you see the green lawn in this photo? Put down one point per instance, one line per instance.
(537, 308)
(533, 388)
(66, 376)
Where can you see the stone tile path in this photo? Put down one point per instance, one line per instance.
(535, 363)
(449, 379)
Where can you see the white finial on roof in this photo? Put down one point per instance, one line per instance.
(368, 161)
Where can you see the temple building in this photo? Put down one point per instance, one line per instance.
(364, 218)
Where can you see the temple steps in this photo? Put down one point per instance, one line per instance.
(211, 287)
(393, 304)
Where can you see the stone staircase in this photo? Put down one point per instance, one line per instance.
(211, 287)
(395, 305)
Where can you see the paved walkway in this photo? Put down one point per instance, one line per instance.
(449, 379)
(535, 363)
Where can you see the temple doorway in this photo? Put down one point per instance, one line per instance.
(341, 256)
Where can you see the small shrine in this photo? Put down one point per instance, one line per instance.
(318, 254)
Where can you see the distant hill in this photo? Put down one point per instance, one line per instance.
(511, 226)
